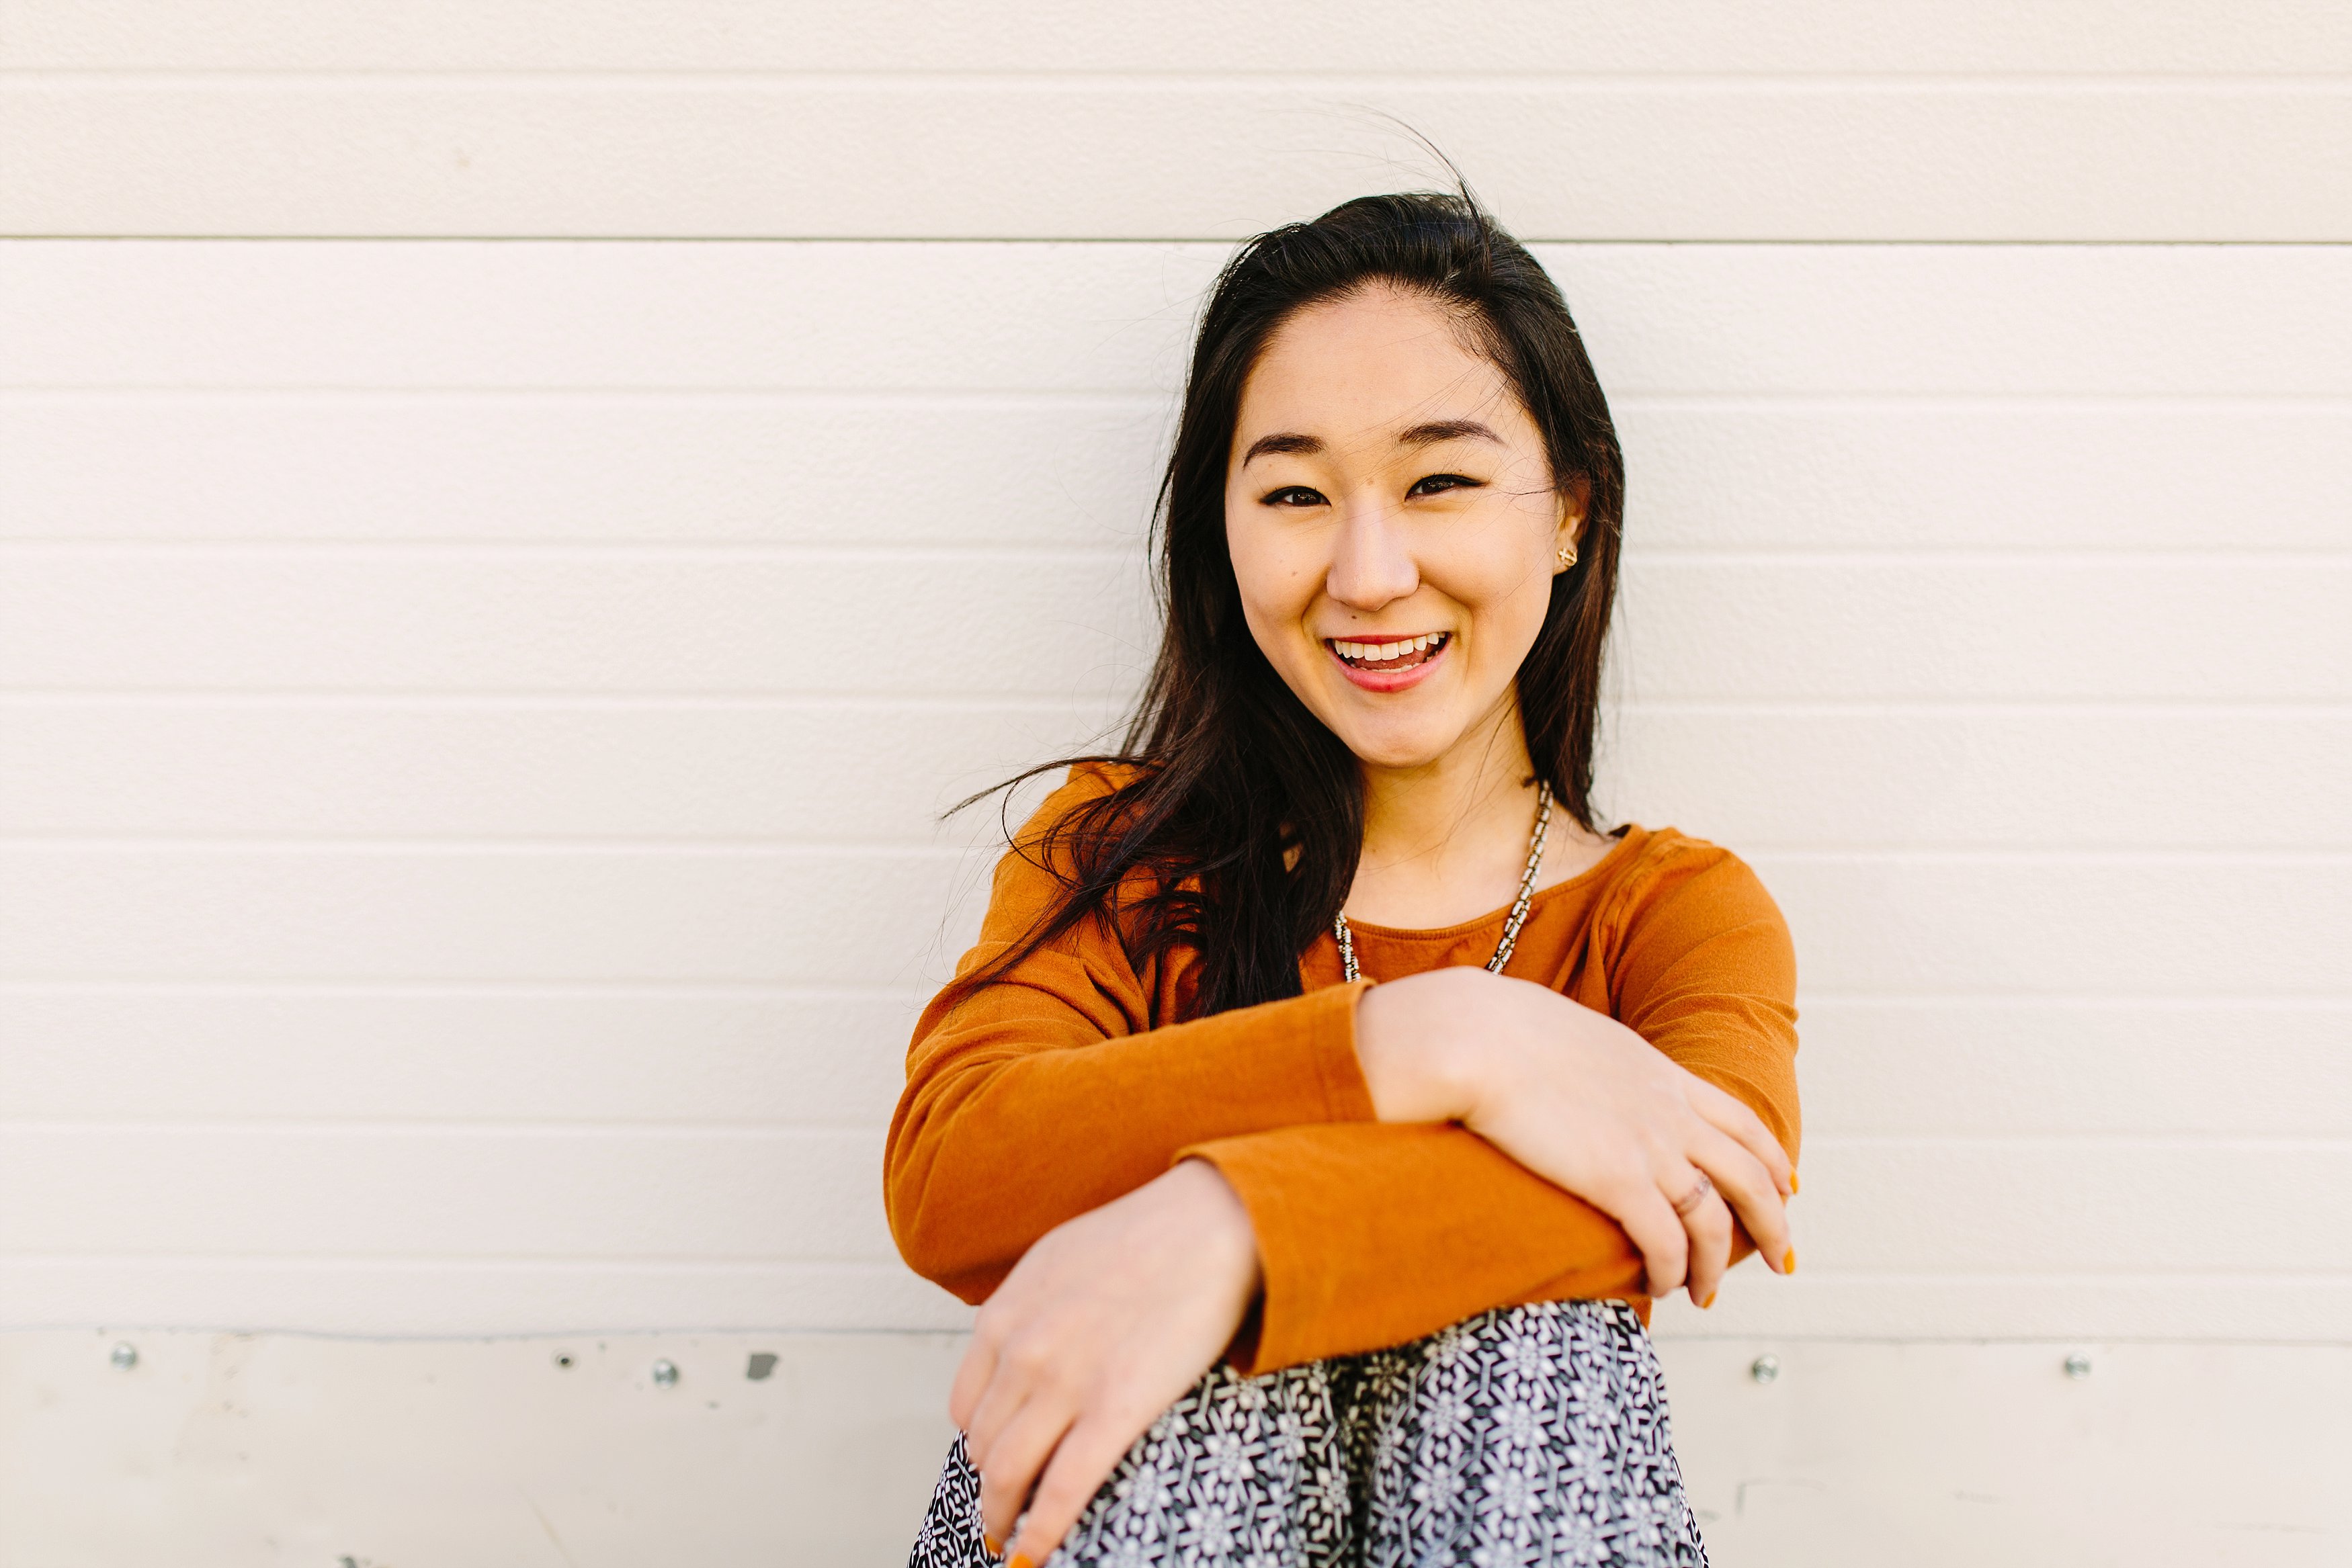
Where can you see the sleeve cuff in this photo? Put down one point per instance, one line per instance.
(1331, 1046)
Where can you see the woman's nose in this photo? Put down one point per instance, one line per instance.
(1370, 563)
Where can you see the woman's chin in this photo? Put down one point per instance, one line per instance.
(1395, 730)
(1398, 746)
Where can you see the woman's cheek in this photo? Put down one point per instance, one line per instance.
(1505, 616)
(1276, 593)
(1276, 627)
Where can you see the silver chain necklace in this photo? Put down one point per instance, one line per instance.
(1510, 927)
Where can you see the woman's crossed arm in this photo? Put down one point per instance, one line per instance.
(1113, 1314)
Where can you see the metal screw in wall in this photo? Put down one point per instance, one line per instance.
(123, 1357)
(1765, 1367)
(665, 1373)
(2078, 1366)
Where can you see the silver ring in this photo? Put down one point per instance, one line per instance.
(1693, 1198)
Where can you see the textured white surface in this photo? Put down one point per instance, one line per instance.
(1699, 120)
(2118, 325)
(1142, 156)
(494, 847)
(474, 714)
(2090, 38)
(276, 1449)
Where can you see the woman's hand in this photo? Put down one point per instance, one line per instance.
(1584, 1101)
(1098, 1329)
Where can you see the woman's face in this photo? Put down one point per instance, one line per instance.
(1394, 524)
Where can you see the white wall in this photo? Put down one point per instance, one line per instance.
(496, 578)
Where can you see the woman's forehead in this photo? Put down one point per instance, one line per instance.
(1375, 368)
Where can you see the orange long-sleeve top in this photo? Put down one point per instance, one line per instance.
(1069, 1084)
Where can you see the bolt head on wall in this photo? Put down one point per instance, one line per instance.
(665, 1373)
(123, 1357)
(2078, 1366)
(1765, 1367)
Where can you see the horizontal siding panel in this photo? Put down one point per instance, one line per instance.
(1963, 1066)
(806, 772)
(1960, 629)
(407, 1297)
(362, 1055)
(1994, 1207)
(830, 318)
(1987, 1210)
(968, 623)
(2161, 776)
(1936, 36)
(928, 157)
(1064, 627)
(1770, 474)
(1978, 1066)
(1080, 469)
(2230, 1306)
(1956, 925)
(823, 916)
(352, 1191)
(808, 468)
(491, 1297)
(1776, 319)
(1964, 1452)
(2000, 1065)
(1875, 923)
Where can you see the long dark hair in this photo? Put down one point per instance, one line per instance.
(1240, 817)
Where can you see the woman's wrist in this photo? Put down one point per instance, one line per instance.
(1418, 1060)
(1224, 1223)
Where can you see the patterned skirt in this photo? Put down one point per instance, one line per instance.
(1524, 1435)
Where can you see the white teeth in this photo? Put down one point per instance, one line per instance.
(1383, 652)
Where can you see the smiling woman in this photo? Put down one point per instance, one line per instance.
(1316, 1186)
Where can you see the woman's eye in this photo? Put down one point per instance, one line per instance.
(1293, 496)
(1438, 484)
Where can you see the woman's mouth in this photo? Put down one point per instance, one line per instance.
(1392, 663)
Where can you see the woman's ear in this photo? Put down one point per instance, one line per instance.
(1575, 499)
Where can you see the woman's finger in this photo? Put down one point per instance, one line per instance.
(972, 1379)
(1088, 1452)
(1748, 1187)
(1732, 1116)
(1015, 1462)
(1022, 1366)
(1653, 1226)
(1707, 1223)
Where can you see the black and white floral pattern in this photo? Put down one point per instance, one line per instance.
(1523, 1436)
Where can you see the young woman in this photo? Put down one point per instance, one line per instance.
(1327, 1096)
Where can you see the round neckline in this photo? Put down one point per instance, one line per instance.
(1624, 837)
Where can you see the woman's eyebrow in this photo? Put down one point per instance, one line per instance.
(1430, 434)
(1281, 441)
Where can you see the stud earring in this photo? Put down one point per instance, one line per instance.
(1567, 554)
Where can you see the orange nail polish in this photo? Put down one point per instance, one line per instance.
(995, 1547)
(1709, 1301)
(1788, 1262)
(1022, 1561)
(1793, 1183)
